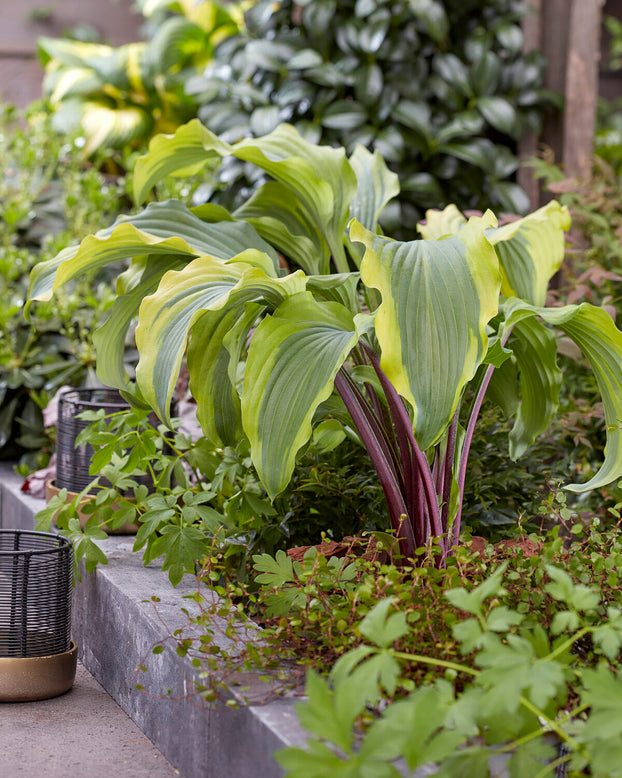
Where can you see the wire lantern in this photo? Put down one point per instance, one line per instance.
(35, 593)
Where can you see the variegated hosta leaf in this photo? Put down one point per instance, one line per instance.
(281, 220)
(216, 342)
(319, 177)
(503, 388)
(531, 251)
(162, 228)
(292, 362)
(535, 352)
(166, 317)
(70, 82)
(106, 126)
(437, 298)
(440, 224)
(375, 186)
(109, 339)
(71, 52)
(594, 332)
(338, 287)
(183, 154)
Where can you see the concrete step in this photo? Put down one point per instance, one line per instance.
(82, 732)
(116, 625)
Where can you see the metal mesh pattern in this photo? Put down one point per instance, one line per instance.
(35, 593)
(72, 464)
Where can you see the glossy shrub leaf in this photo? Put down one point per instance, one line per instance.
(454, 72)
(305, 58)
(499, 113)
(368, 84)
(511, 197)
(433, 17)
(478, 151)
(344, 115)
(426, 288)
(417, 116)
(463, 125)
(485, 74)
(292, 362)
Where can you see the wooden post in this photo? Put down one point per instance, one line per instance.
(528, 146)
(581, 88)
(568, 33)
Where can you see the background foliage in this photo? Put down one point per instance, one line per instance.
(47, 199)
(441, 89)
(124, 95)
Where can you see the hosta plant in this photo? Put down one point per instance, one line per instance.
(124, 95)
(401, 332)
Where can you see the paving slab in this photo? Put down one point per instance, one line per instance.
(82, 732)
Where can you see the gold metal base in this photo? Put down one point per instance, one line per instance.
(24, 679)
(51, 490)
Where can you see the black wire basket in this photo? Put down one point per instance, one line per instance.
(73, 463)
(35, 593)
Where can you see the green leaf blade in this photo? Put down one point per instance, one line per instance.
(292, 362)
(438, 296)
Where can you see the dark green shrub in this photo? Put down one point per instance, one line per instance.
(441, 89)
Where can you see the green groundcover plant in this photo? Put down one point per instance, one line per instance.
(524, 690)
(507, 656)
(390, 334)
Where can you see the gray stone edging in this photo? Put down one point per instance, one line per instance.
(116, 629)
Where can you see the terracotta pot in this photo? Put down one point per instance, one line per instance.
(51, 490)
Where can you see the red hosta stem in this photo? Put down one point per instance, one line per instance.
(468, 437)
(371, 436)
(415, 459)
(448, 466)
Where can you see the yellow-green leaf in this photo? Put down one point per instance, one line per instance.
(531, 251)
(292, 362)
(437, 298)
(593, 331)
